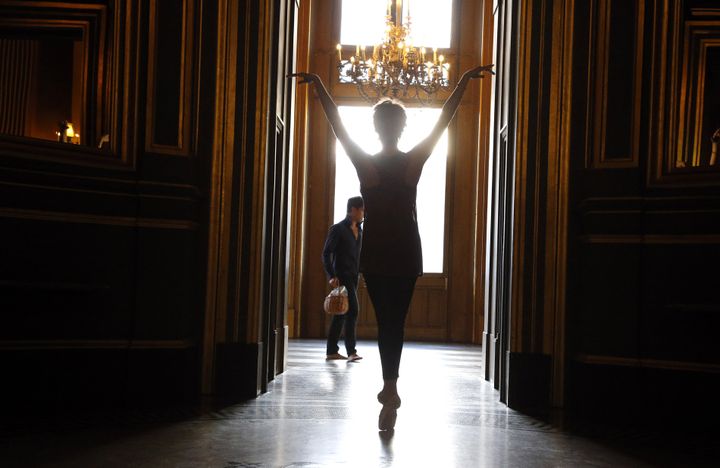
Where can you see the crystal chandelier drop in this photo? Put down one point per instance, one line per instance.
(395, 68)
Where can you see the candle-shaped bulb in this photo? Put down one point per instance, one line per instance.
(441, 58)
(434, 54)
(339, 49)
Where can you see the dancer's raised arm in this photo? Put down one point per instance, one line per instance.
(353, 150)
(422, 150)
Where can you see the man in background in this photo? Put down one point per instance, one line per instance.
(341, 260)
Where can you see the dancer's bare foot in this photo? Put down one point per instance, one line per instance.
(390, 400)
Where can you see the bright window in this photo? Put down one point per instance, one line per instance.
(363, 22)
(431, 22)
(431, 188)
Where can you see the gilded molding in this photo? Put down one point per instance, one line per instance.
(599, 86)
(656, 239)
(185, 111)
(95, 344)
(676, 90)
(221, 189)
(257, 222)
(115, 83)
(648, 363)
(556, 235)
(519, 263)
(89, 218)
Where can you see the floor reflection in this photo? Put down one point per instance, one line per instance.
(322, 413)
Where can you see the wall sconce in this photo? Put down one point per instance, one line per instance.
(715, 141)
(66, 133)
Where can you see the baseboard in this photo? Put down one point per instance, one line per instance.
(281, 359)
(98, 377)
(608, 390)
(238, 370)
(529, 378)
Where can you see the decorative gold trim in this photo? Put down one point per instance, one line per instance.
(669, 239)
(183, 146)
(98, 192)
(525, 53)
(704, 45)
(116, 85)
(556, 234)
(648, 363)
(705, 11)
(257, 225)
(124, 85)
(298, 174)
(87, 218)
(598, 74)
(672, 95)
(32, 345)
(482, 177)
(221, 188)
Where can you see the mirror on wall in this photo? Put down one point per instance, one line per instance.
(699, 147)
(42, 84)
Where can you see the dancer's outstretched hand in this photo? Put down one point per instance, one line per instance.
(477, 72)
(305, 77)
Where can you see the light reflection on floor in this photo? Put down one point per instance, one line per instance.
(322, 413)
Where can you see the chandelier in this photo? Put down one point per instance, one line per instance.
(395, 68)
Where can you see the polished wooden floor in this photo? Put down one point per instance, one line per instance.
(324, 414)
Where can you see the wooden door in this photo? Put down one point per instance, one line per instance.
(500, 201)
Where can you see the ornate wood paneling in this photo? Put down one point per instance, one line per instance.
(685, 93)
(107, 78)
(427, 318)
(616, 40)
(171, 49)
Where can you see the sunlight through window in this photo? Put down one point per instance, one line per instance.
(363, 21)
(431, 22)
(431, 188)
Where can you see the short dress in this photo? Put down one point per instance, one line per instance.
(391, 240)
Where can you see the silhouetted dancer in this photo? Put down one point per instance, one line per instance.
(391, 258)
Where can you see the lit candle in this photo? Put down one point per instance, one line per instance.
(339, 49)
(434, 54)
(422, 52)
(441, 58)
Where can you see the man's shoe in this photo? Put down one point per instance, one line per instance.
(354, 357)
(334, 357)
